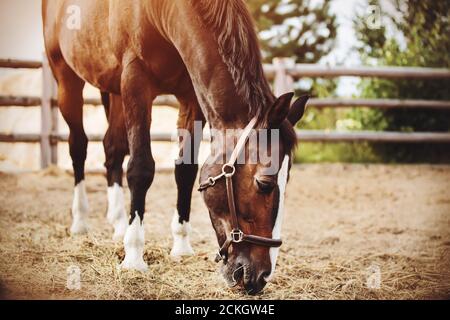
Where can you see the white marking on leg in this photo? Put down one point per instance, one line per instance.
(134, 246)
(117, 215)
(181, 238)
(276, 232)
(120, 229)
(80, 210)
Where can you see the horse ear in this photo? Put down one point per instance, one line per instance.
(279, 110)
(297, 110)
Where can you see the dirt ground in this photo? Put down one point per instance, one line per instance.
(345, 228)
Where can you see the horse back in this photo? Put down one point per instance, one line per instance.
(107, 34)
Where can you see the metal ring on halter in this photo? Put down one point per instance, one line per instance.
(228, 174)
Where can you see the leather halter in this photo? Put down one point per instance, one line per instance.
(228, 171)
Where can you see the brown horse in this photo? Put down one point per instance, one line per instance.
(206, 53)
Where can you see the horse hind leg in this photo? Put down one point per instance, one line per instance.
(116, 148)
(190, 126)
(70, 100)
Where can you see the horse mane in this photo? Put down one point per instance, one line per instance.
(289, 137)
(231, 23)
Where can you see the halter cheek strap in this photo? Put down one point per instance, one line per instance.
(228, 171)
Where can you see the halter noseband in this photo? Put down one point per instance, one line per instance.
(228, 171)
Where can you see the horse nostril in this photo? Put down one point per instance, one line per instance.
(238, 273)
(264, 185)
(258, 283)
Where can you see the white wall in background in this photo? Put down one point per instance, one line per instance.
(21, 29)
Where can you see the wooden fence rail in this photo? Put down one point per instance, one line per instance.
(319, 71)
(302, 135)
(20, 64)
(170, 101)
(380, 103)
(20, 101)
(283, 72)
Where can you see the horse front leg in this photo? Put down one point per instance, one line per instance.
(190, 126)
(116, 148)
(137, 97)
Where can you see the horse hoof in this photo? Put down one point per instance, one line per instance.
(136, 265)
(181, 238)
(181, 249)
(79, 228)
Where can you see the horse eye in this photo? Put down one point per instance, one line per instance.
(265, 186)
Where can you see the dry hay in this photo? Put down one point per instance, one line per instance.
(341, 221)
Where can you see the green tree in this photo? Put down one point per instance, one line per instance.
(425, 29)
(303, 29)
(306, 31)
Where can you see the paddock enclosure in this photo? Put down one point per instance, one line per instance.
(282, 73)
(342, 224)
(350, 231)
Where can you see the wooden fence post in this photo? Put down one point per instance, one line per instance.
(49, 117)
(55, 127)
(283, 82)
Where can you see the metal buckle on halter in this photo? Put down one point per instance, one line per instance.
(211, 181)
(237, 236)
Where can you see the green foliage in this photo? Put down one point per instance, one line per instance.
(426, 31)
(294, 28)
(304, 30)
(301, 29)
(335, 152)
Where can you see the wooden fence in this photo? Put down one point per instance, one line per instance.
(283, 73)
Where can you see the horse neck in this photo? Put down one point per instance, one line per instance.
(211, 78)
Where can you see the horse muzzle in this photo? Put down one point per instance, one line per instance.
(245, 275)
